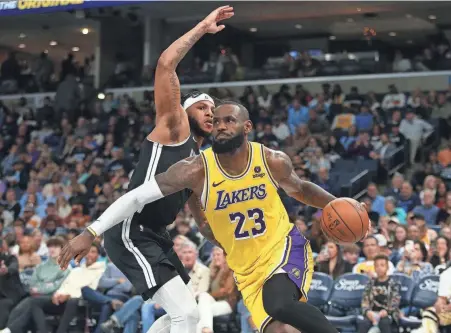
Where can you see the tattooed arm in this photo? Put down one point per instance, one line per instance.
(306, 192)
(170, 113)
(201, 219)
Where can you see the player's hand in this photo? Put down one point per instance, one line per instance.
(76, 249)
(219, 14)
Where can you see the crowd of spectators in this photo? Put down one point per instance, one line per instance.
(60, 170)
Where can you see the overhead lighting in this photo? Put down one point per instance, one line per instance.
(46, 51)
(349, 20)
(101, 96)
(298, 26)
(392, 34)
(352, 56)
(408, 15)
(22, 35)
(75, 49)
(410, 41)
(432, 17)
(85, 31)
(359, 9)
(332, 37)
(253, 29)
(22, 46)
(53, 43)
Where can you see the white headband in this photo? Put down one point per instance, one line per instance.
(191, 100)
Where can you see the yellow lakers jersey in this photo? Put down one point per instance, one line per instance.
(244, 211)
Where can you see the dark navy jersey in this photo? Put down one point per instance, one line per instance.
(154, 159)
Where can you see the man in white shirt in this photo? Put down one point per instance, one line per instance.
(280, 129)
(393, 99)
(416, 131)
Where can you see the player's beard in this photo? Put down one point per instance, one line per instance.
(196, 129)
(229, 145)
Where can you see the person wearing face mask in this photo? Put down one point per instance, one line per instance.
(46, 279)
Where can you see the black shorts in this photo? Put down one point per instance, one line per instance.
(145, 257)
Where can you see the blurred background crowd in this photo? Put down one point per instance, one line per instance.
(383, 139)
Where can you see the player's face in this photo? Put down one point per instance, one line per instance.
(200, 117)
(229, 130)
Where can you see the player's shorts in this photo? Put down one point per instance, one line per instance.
(294, 257)
(145, 257)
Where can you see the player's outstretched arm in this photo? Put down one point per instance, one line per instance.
(167, 86)
(187, 173)
(306, 192)
(201, 220)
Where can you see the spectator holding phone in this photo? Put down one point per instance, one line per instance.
(413, 263)
(330, 261)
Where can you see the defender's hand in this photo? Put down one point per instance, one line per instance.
(219, 14)
(76, 249)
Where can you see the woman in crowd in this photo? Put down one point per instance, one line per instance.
(441, 255)
(445, 211)
(222, 297)
(398, 244)
(330, 261)
(414, 262)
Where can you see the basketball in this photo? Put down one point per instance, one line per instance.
(344, 221)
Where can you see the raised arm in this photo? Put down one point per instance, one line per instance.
(306, 192)
(169, 112)
(187, 173)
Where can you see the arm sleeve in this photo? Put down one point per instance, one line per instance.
(126, 205)
(13, 265)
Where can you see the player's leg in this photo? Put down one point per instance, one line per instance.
(281, 302)
(278, 327)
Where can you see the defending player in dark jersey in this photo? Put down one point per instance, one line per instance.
(140, 245)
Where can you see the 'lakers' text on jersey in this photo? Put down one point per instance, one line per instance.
(244, 211)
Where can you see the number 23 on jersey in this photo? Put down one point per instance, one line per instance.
(254, 216)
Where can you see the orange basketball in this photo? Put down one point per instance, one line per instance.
(345, 221)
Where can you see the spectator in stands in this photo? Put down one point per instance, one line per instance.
(378, 201)
(330, 261)
(394, 99)
(281, 130)
(370, 249)
(11, 289)
(416, 130)
(10, 73)
(395, 189)
(428, 209)
(398, 244)
(113, 289)
(441, 252)
(381, 299)
(401, 64)
(351, 254)
(297, 114)
(396, 137)
(222, 296)
(423, 230)
(301, 138)
(441, 113)
(11, 203)
(43, 70)
(445, 212)
(364, 120)
(316, 125)
(65, 300)
(28, 258)
(246, 323)
(408, 199)
(414, 262)
(46, 279)
(347, 140)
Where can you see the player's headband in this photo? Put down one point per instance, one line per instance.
(197, 98)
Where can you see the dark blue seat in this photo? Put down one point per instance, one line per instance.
(320, 289)
(407, 286)
(346, 296)
(424, 295)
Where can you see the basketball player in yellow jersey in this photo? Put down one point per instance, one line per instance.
(237, 183)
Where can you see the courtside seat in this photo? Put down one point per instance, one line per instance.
(346, 300)
(320, 290)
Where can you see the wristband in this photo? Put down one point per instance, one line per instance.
(91, 231)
